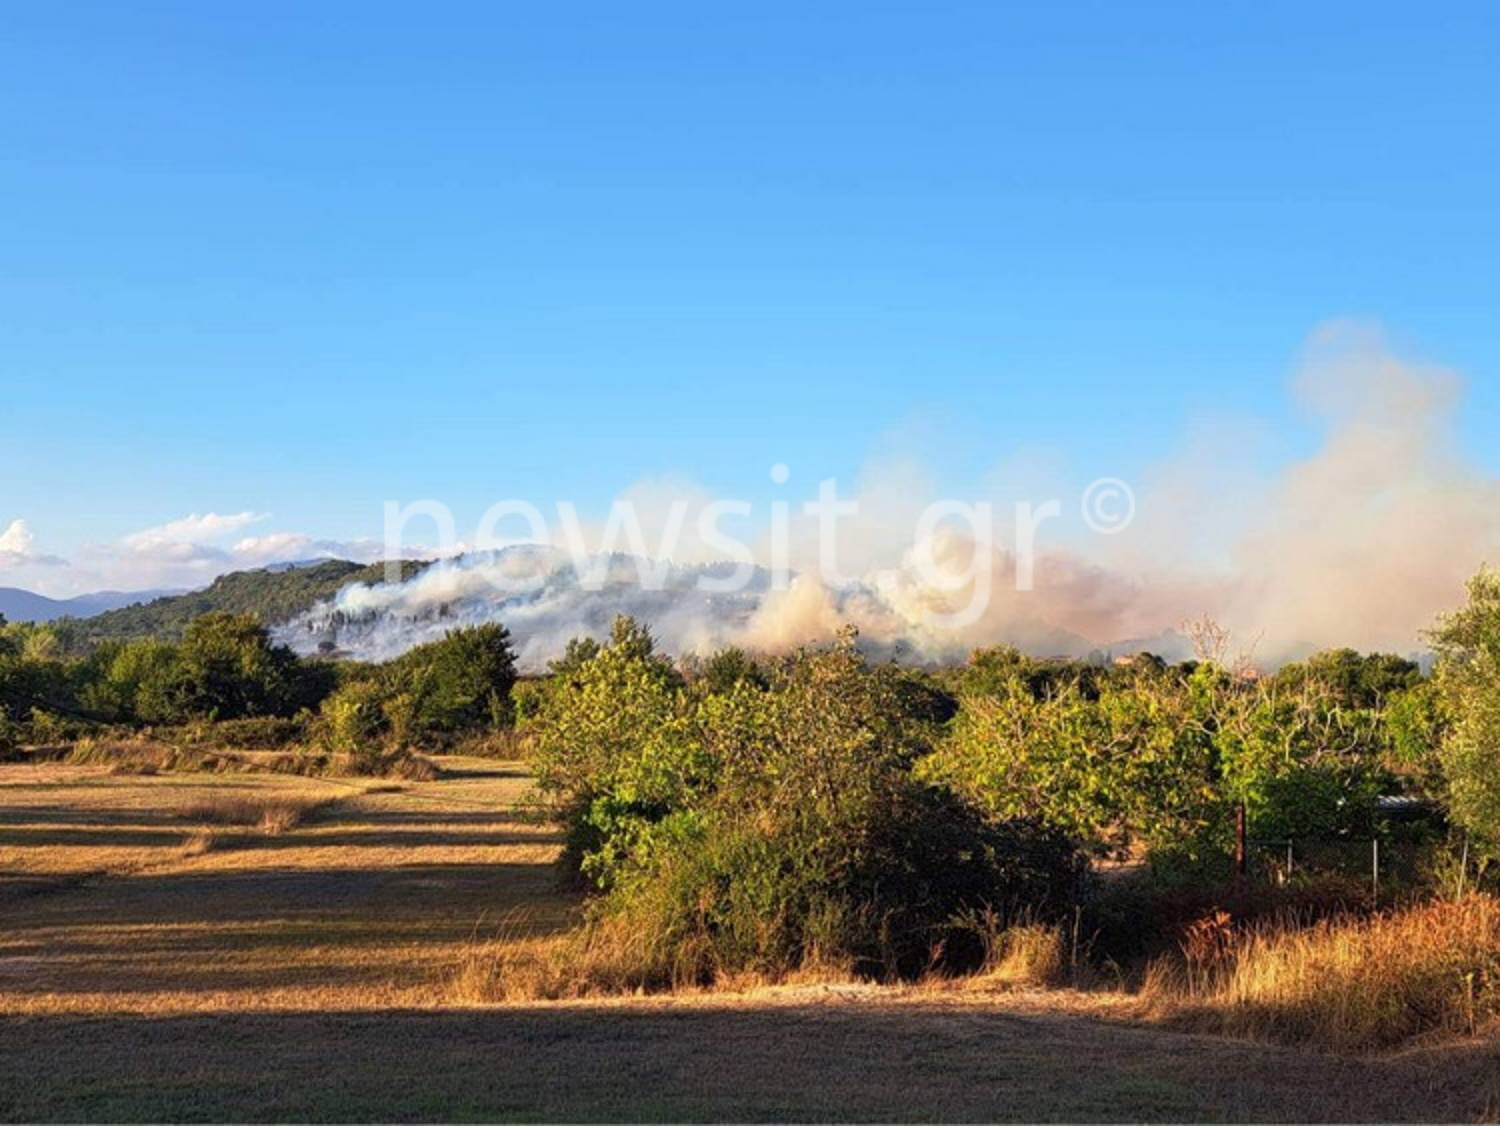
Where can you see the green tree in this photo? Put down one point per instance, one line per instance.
(615, 748)
(1137, 761)
(136, 682)
(1467, 642)
(457, 684)
(227, 668)
(728, 668)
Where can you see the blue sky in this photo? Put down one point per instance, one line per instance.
(302, 259)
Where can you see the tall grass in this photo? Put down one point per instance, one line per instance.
(140, 754)
(270, 815)
(1344, 984)
(612, 955)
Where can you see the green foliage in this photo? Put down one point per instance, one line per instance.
(1145, 754)
(34, 692)
(527, 697)
(1415, 725)
(458, 685)
(272, 597)
(727, 669)
(579, 652)
(615, 746)
(1468, 678)
(354, 719)
(224, 668)
(1350, 680)
(134, 681)
(227, 668)
(760, 823)
(1135, 762)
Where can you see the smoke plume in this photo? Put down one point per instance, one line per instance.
(1360, 543)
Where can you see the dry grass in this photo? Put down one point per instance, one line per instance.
(188, 751)
(1032, 954)
(199, 842)
(334, 973)
(1346, 985)
(613, 957)
(618, 955)
(369, 904)
(271, 815)
(137, 755)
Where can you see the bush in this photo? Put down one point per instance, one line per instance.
(456, 687)
(1468, 678)
(353, 721)
(775, 827)
(459, 683)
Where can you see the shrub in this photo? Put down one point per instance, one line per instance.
(353, 720)
(1110, 764)
(774, 827)
(1468, 678)
(227, 668)
(459, 683)
(436, 694)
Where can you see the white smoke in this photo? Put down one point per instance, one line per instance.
(1362, 543)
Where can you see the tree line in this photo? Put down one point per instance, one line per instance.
(750, 810)
(226, 671)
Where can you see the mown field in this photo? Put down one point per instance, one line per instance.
(259, 947)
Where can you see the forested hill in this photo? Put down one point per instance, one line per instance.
(273, 596)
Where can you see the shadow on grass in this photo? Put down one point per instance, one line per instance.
(819, 1060)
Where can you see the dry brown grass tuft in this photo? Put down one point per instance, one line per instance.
(413, 768)
(136, 755)
(590, 962)
(1028, 955)
(199, 842)
(271, 815)
(1348, 985)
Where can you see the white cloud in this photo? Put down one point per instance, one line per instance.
(18, 548)
(193, 529)
(180, 554)
(295, 547)
(17, 539)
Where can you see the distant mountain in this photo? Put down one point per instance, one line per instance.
(23, 606)
(274, 595)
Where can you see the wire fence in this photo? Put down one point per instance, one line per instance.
(1383, 864)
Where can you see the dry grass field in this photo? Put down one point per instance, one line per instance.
(258, 947)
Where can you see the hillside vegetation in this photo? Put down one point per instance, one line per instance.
(272, 597)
